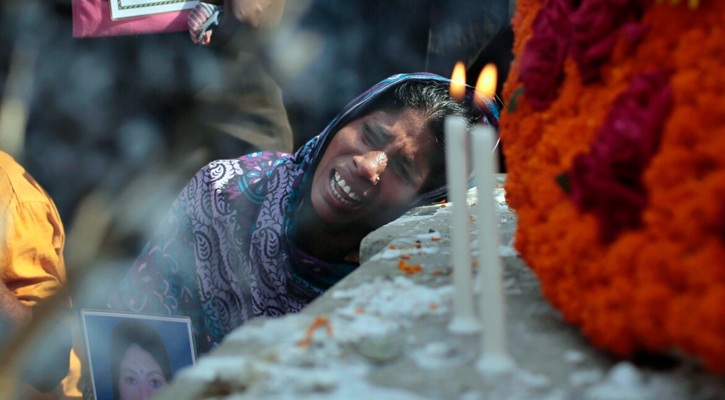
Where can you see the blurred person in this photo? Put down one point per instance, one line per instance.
(166, 101)
(32, 269)
(265, 234)
(140, 364)
(246, 114)
(228, 17)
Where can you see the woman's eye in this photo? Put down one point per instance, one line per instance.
(403, 173)
(129, 380)
(369, 137)
(157, 383)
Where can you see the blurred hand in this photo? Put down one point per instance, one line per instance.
(257, 13)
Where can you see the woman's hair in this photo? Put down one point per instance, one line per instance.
(129, 332)
(433, 100)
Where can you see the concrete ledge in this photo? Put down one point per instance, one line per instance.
(381, 333)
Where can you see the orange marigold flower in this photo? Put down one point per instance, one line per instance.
(317, 323)
(409, 269)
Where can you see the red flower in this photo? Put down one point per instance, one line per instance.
(629, 136)
(616, 202)
(635, 32)
(553, 17)
(542, 64)
(594, 26)
(607, 181)
(542, 68)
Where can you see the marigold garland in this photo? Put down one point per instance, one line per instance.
(660, 285)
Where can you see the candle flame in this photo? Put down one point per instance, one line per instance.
(486, 85)
(458, 82)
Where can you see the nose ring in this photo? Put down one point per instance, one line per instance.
(377, 179)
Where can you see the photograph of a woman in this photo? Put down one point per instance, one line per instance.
(139, 361)
(132, 356)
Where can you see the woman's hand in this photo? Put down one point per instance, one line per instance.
(257, 13)
(240, 22)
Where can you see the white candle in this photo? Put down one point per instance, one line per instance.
(492, 306)
(464, 317)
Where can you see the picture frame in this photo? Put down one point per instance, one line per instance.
(134, 353)
(92, 18)
(136, 8)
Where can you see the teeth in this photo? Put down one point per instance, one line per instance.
(341, 182)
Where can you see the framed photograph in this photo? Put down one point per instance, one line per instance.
(136, 8)
(131, 356)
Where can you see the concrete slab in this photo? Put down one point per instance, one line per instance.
(381, 333)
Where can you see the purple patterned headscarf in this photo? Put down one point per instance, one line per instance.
(223, 255)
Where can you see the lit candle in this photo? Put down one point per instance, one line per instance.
(491, 306)
(494, 356)
(486, 85)
(464, 317)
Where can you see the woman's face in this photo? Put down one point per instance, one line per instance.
(141, 375)
(373, 168)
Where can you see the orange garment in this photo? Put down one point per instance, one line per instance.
(69, 385)
(31, 241)
(31, 236)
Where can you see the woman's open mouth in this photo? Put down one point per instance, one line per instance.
(343, 192)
